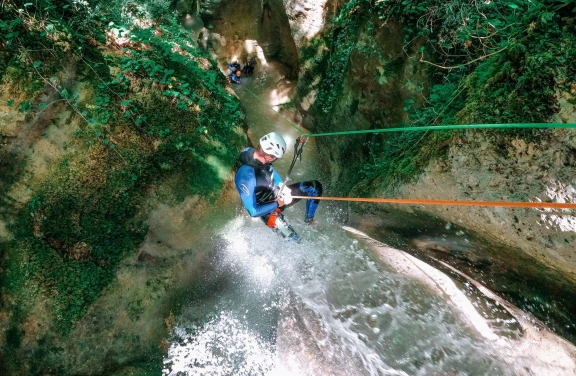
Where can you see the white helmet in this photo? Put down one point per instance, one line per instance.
(273, 144)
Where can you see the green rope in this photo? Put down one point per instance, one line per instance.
(279, 114)
(450, 127)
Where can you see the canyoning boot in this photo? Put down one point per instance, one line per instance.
(310, 221)
(277, 221)
(285, 229)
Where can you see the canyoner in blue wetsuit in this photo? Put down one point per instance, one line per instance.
(262, 190)
(234, 78)
(234, 66)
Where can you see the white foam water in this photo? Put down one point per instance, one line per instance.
(350, 314)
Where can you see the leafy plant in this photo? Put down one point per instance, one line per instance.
(486, 62)
(145, 91)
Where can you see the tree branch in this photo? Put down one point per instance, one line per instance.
(461, 65)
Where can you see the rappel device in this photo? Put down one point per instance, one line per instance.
(277, 220)
(298, 148)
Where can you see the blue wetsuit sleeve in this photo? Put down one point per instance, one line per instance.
(245, 183)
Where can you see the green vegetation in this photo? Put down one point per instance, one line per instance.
(153, 108)
(485, 61)
(316, 58)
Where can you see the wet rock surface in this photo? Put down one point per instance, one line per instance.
(477, 169)
(512, 275)
(259, 29)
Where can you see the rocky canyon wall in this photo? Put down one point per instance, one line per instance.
(259, 29)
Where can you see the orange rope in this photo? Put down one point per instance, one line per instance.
(540, 205)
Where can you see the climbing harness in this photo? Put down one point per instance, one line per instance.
(298, 148)
(533, 205)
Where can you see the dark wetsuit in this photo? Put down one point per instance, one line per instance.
(249, 67)
(258, 186)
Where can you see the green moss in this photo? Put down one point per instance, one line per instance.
(157, 120)
(11, 168)
(343, 44)
(145, 366)
(17, 77)
(521, 85)
(315, 56)
(403, 156)
(14, 336)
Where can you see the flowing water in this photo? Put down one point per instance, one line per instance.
(325, 306)
(515, 276)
